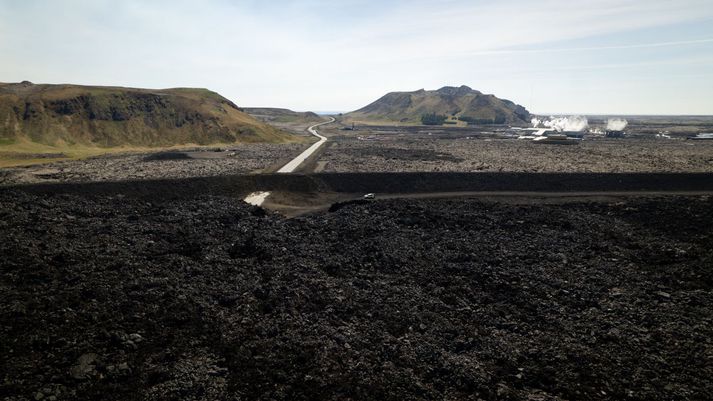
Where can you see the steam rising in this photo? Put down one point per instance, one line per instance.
(571, 123)
(616, 124)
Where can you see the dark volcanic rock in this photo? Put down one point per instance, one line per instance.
(167, 156)
(199, 299)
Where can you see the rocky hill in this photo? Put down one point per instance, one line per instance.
(465, 104)
(68, 115)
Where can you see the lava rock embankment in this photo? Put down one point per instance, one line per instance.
(121, 298)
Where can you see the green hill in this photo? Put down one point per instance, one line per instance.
(276, 115)
(67, 116)
(466, 104)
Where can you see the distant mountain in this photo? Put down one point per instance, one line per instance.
(463, 102)
(93, 116)
(275, 115)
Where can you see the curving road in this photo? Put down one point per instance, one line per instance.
(294, 163)
(257, 198)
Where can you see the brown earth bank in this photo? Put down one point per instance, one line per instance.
(201, 298)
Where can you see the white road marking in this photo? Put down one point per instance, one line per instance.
(256, 198)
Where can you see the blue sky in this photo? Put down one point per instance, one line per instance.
(552, 56)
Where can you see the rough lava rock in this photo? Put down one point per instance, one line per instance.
(141, 299)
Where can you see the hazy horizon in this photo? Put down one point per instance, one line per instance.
(628, 57)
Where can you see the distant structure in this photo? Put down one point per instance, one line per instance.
(703, 136)
(573, 134)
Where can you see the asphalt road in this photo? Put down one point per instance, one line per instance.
(291, 206)
(297, 161)
(257, 198)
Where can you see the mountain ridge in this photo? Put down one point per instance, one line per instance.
(282, 115)
(110, 116)
(462, 102)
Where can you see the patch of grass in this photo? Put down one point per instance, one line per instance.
(6, 141)
(112, 116)
(9, 162)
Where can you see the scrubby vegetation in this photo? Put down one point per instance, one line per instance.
(500, 119)
(433, 119)
(68, 116)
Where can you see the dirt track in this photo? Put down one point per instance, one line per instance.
(117, 297)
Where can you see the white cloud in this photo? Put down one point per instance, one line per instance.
(321, 54)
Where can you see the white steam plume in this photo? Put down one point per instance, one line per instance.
(571, 123)
(616, 124)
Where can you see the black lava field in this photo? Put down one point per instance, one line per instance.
(130, 298)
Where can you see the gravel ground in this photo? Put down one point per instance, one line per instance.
(246, 158)
(208, 299)
(392, 153)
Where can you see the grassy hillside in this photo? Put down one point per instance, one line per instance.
(462, 103)
(84, 120)
(276, 115)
